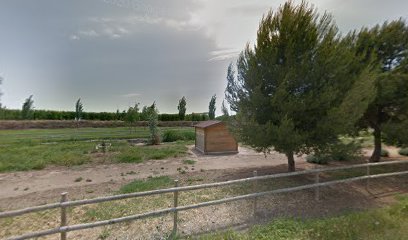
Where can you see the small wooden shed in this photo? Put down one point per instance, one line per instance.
(213, 137)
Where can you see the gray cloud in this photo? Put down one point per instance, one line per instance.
(113, 53)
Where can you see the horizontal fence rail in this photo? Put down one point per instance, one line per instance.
(175, 209)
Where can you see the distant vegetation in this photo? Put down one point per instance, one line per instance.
(14, 114)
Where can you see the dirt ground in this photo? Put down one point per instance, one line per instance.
(23, 189)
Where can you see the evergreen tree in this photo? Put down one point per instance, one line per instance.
(387, 114)
(212, 108)
(78, 110)
(292, 85)
(182, 108)
(27, 111)
(224, 110)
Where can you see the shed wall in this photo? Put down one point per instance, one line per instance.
(218, 139)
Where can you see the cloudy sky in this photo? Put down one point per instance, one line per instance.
(113, 53)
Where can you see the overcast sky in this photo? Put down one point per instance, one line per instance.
(113, 53)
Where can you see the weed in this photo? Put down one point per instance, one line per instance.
(190, 162)
(78, 179)
(146, 185)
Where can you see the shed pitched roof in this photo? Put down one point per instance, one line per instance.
(206, 124)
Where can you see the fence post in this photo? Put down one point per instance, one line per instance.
(174, 233)
(63, 215)
(317, 189)
(255, 189)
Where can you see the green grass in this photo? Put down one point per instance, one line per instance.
(146, 185)
(189, 162)
(71, 134)
(30, 149)
(385, 223)
(141, 153)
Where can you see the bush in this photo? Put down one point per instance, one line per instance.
(385, 153)
(318, 159)
(403, 151)
(344, 152)
(174, 135)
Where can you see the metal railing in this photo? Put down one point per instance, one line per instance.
(63, 204)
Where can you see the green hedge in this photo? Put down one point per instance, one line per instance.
(173, 135)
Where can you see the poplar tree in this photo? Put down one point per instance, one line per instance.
(182, 108)
(78, 109)
(27, 111)
(211, 107)
(291, 86)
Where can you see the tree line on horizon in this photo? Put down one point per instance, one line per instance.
(28, 112)
(303, 85)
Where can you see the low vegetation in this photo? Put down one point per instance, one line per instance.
(386, 223)
(189, 161)
(385, 153)
(146, 185)
(37, 148)
(173, 135)
(403, 151)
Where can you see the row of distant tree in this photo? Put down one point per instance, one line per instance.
(133, 114)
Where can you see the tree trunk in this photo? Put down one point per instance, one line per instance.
(375, 157)
(291, 162)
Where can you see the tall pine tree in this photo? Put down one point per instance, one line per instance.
(292, 84)
(386, 46)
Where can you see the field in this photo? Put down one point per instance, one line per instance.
(37, 148)
(36, 165)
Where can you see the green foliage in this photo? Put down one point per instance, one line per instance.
(78, 109)
(169, 117)
(403, 151)
(153, 121)
(336, 152)
(132, 115)
(189, 162)
(211, 107)
(290, 86)
(385, 153)
(27, 111)
(386, 46)
(146, 185)
(318, 159)
(195, 117)
(173, 135)
(182, 108)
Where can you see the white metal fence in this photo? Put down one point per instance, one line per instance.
(63, 204)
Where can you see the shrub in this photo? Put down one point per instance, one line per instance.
(343, 152)
(384, 153)
(318, 159)
(174, 135)
(403, 151)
